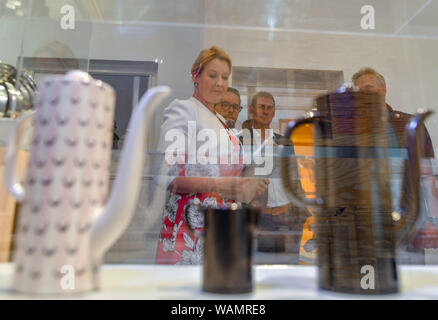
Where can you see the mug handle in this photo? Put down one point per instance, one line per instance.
(13, 185)
(287, 162)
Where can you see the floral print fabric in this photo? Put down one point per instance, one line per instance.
(181, 235)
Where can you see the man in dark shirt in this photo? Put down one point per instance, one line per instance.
(367, 79)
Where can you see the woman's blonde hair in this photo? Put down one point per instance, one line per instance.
(205, 56)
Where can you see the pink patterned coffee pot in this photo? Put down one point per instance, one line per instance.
(67, 220)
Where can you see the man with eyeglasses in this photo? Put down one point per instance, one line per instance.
(229, 108)
(280, 215)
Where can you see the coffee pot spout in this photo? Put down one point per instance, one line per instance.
(113, 219)
(409, 208)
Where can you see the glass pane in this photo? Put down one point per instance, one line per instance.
(295, 51)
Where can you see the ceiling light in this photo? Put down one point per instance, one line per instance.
(10, 5)
(272, 22)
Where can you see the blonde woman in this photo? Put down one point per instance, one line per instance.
(216, 183)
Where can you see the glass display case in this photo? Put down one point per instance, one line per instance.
(295, 50)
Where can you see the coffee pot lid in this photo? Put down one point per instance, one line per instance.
(347, 87)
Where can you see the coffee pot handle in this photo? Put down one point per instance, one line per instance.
(408, 212)
(13, 185)
(287, 163)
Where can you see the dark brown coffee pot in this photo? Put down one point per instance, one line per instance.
(357, 228)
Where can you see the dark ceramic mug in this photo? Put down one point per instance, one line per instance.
(228, 249)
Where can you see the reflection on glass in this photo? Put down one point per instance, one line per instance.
(295, 50)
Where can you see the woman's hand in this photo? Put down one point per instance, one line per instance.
(241, 189)
(236, 188)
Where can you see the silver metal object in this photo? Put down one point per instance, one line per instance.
(17, 94)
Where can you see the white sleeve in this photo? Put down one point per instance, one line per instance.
(175, 117)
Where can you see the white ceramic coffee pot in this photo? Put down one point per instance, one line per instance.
(67, 220)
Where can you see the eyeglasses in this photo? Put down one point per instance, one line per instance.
(226, 105)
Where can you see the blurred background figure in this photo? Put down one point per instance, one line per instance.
(281, 224)
(229, 108)
(369, 80)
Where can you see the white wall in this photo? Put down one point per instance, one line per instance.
(406, 64)
(42, 38)
(11, 34)
(409, 65)
(176, 46)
